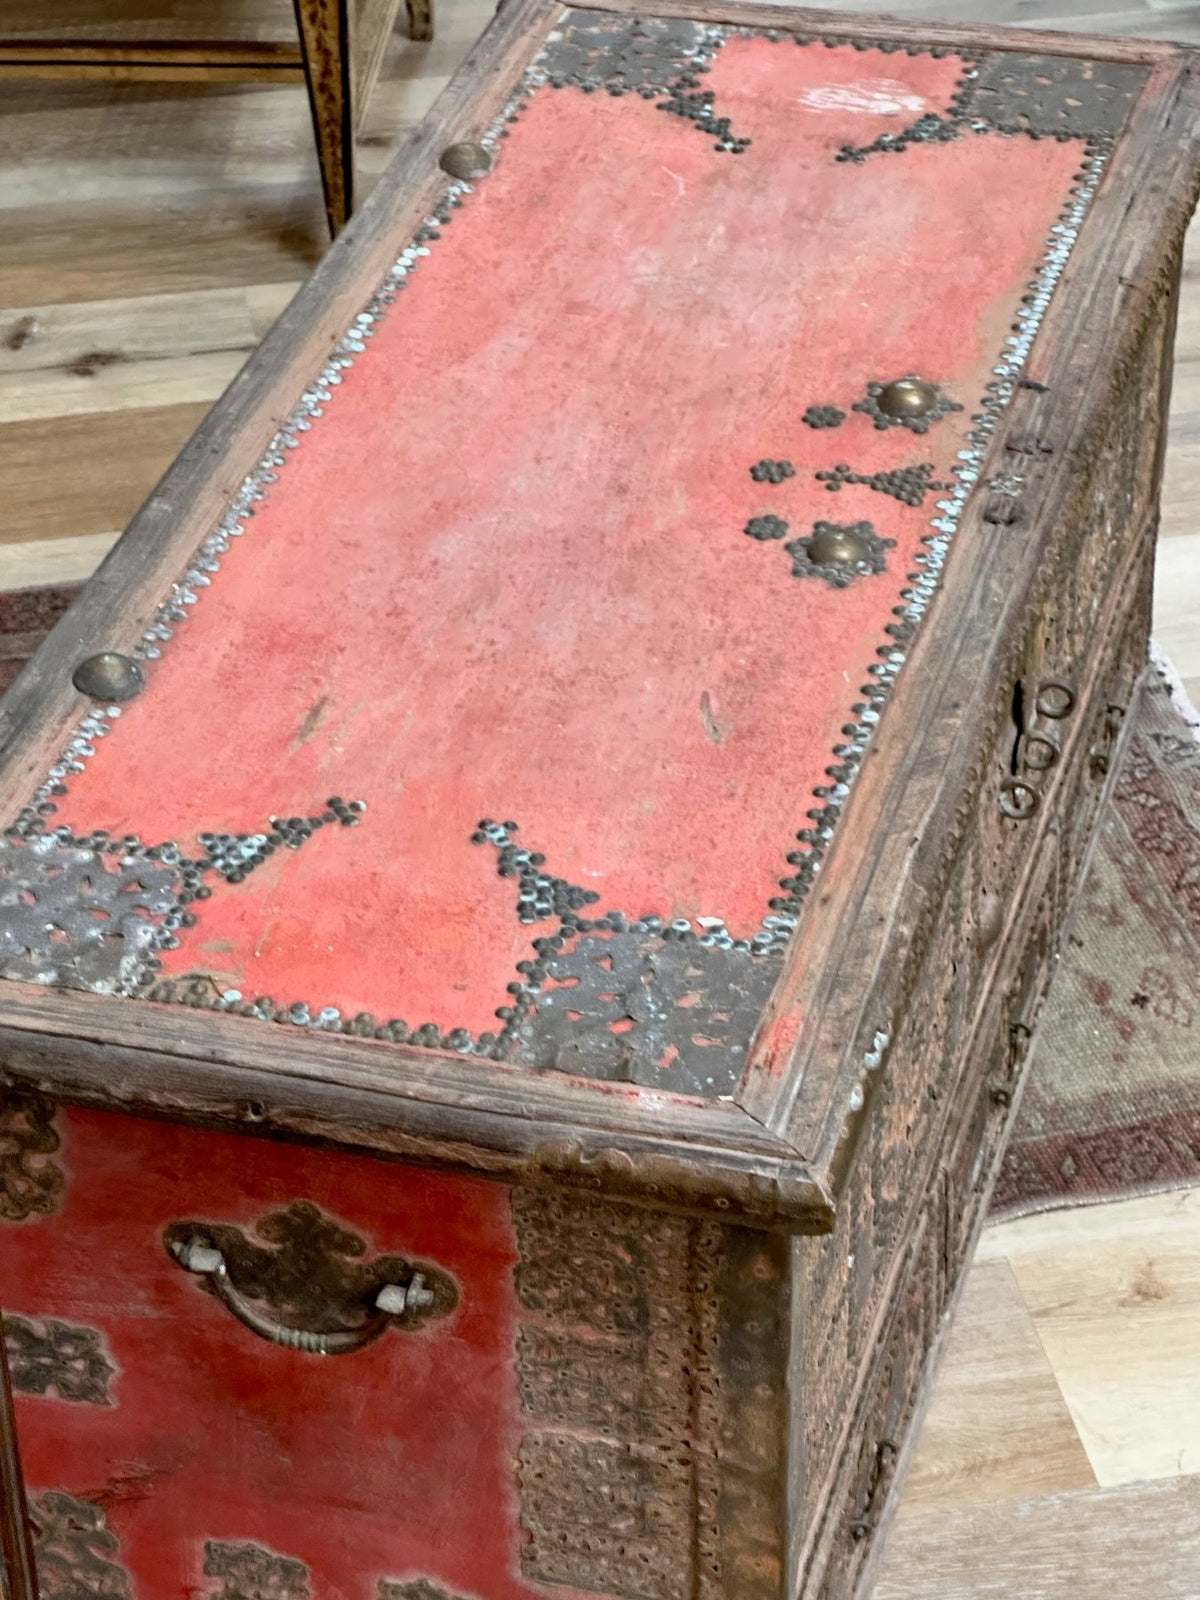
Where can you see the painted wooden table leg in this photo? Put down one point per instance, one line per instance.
(420, 19)
(16, 1544)
(325, 39)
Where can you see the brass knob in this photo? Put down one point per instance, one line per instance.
(834, 546)
(907, 397)
(108, 676)
(466, 161)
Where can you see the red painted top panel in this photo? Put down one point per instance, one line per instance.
(505, 573)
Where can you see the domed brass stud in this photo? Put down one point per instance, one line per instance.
(109, 676)
(907, 397)
(466, 161)
(834, 546)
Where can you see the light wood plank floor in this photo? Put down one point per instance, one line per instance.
(148, 236)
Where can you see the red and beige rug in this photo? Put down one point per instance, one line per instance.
(1112, 1106)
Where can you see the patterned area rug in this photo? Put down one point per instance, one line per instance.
(26, 617)
(1112, 1107)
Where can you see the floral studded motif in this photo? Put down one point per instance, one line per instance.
(909, 485)
(772, 471)
(839, 553)
(823, 417)
(766, 528)
(934, 404)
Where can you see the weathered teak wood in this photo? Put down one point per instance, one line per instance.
(706, 1307)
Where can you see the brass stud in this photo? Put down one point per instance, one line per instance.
(109, 676)
(466, 161)
(837, 547)
(907, 397)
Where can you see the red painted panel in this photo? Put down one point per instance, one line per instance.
(395, 1461)
(506, 575)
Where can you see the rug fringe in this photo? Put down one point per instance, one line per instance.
(1180, 698)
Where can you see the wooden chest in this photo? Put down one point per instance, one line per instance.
(656, 616)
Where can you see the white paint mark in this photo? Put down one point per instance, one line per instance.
(882, 97)
(678, 181)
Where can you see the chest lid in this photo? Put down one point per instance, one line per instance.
(494, 676)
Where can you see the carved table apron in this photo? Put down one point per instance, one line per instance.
(529, 875)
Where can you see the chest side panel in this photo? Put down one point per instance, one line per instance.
(946, 1078)
(596, 535)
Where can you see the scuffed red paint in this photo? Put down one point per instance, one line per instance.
(506, 575)
(393, 1461)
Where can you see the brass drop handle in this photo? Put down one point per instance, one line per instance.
(393, 1300)
(307, 1288)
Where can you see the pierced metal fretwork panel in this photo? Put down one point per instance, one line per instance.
(72, 917)
(672, 1014)
(1054, 95)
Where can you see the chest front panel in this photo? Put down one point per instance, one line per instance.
(140, 1392)
(242, 1363)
